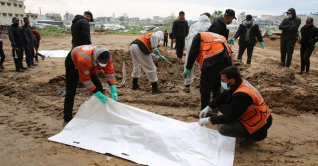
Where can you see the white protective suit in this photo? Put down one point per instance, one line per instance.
(202, 25)
(141, 60)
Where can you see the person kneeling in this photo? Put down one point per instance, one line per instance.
(245, 113)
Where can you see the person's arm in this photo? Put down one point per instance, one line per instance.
(294, 27)
(215, 28)
(187, 29)
(258, 34)
(11, 38)
(85, 32)
(194, 51)
(110, 72)
(283, 25)
(316, 36)
(174, 30)
(84, 73)
(238, 32)
(25, 37)
(219, 100)
(239, 105)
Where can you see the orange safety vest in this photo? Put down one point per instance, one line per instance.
(82, 57)
(211, 45)
(146, 40)
(256, 114)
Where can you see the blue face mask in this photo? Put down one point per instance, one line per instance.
(290, 16)
(224, 86)
(248, 22)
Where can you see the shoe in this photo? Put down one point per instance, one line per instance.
(186, 89)
(1, 66)
(24, 68)
(30, 66)
(306, 73)
(43, 57)
(19, 70)
(157, 90)
(65, 122)
(135, 86)
(300, 73)
(246, 142)
(35, 65)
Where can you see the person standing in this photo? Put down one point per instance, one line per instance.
(248, 32)
(309, 38)
(81, 29)
(2, 56)
(180, 30)
(141, 51)
(219, 25)
(170, 36)
(16, 39)
(165, 39)
(38, 39)
(201, 26)
(29, 42)
(83, 63)
(288, 38)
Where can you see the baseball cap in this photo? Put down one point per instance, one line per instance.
(230, 12)
(249, 17)
(90, 14)
(310, 20)
(181, 12)
(15, 18)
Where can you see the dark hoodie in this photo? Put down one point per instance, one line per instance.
(290, 26)
(180, 29)
(80, 31)
(254, 33)
(219, 27)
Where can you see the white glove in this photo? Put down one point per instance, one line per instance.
(203, 121)
(204, 112)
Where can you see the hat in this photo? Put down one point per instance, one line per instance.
(230, 12)
(15, 18)
(104, 57)
(207, 14)
(181, 12)
(90, 14)
(310, 20)
(289, 12)
(249, 17)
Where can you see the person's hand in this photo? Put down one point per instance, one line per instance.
(230, 41)
(15, 48)
(174, 40)
(262, 45)
(114, 94)
(156, 51)
(204, 121)
(163, 59)
(101, 97)
(186, 73)
(204, 112)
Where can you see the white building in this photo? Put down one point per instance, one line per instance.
(10, 9)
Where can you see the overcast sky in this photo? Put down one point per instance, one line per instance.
(164, 8)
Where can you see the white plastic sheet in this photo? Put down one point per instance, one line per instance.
(54, 53)
(144, 137)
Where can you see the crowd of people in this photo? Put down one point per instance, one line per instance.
(244, 112)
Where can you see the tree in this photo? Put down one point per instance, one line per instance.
(57, 18)
(121, 18)
(215, 15)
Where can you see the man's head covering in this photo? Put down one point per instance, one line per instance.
(104, 57)
(101, 54)
(230, 12)
(181, 12)
(15, 18)
(310, 20)
(90, 14)
(249, 17)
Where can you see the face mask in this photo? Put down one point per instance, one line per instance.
(248, 22)
(224, 86)
(290, 16)
(101, 64)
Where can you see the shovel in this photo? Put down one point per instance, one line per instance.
(171, 67)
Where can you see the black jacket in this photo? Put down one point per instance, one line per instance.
(15, 35)
(180, 29)
(170, 36)
(309, 35)
(254, 32)
(238, 104)
(290, 26)
(222, 57)
(219, 27)
(80, 31)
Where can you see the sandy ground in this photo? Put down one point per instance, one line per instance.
(31, 110)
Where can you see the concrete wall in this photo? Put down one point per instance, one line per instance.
(11, 8)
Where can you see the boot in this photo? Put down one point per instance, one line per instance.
(246, 142)
(24, 68)
(155, 88)
(248, 61)
(136, 85)
(19, 70)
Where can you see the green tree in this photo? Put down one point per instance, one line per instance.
(215, 15)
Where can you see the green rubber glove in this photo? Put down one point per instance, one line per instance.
(163, 59)
(156, 51)
(101, 97)
(186, 73)
(229, 41)
(262, 45)
(114, 92)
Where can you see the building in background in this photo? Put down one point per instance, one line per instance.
(32, 16)
(68, 16)
(11, 8)
(53, 16)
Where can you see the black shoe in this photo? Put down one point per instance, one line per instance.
(30, 66)
(246, 142)
(135, 86)
(157, 90)
(1, 66)
(35, 65)
(65, 122)
(24, 68)
(19, 70)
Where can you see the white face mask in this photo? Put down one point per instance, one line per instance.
(101, 64)
(224, 86)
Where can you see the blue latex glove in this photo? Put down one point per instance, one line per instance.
(114, 92)
(186, 73)
(91, 44)
(204, 112)
(229, 41)
(156, 51)
(262, 45)
(163, 59)
(101, 97)
(204, 121)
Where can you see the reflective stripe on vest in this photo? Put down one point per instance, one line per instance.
(256, 114)
(211, 44)
(110, 77)
(89, 85)
(146, 40)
